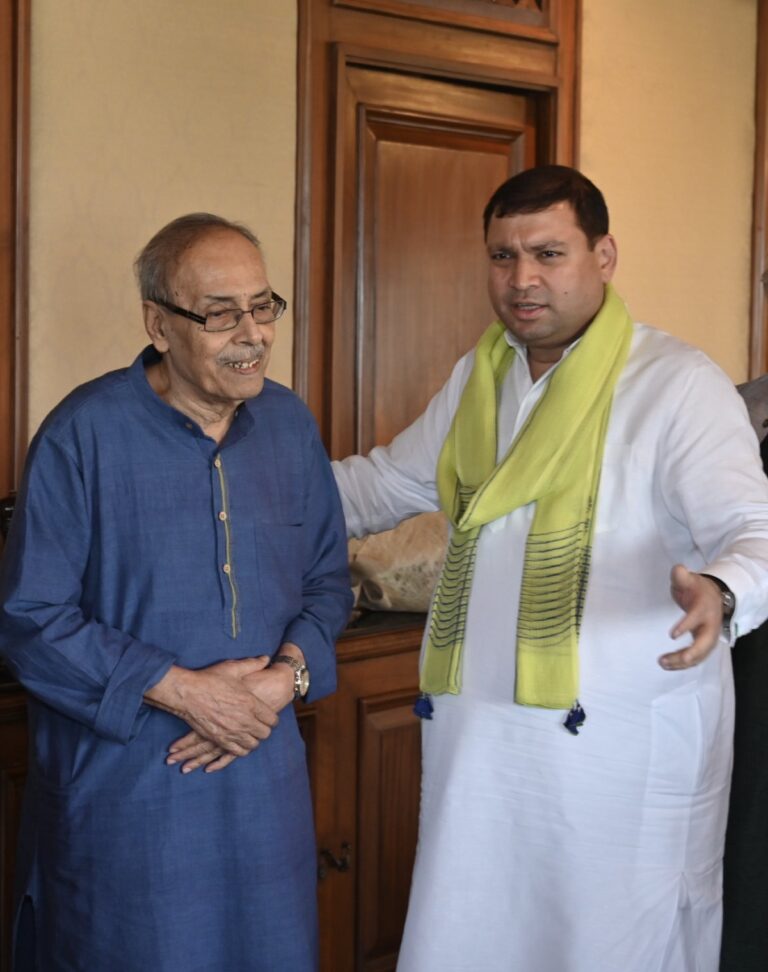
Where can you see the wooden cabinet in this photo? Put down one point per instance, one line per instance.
(13, 769)
(366, 768)
(364, 762)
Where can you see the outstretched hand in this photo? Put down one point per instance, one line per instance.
(700, 598)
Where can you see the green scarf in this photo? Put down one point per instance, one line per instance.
(555, 461)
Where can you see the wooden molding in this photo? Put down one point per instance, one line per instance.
(14, 222)
(758, 357)
(21, 303)
(527, 18)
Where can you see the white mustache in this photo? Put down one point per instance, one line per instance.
(250, 357)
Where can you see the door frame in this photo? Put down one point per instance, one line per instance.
(15, 17)
(758, 351)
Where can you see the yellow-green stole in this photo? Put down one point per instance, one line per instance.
(554, 462)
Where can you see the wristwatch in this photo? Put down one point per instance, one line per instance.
(728, 599)
(300, 675)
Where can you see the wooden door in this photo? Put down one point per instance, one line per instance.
(411, 113)
(417, 159)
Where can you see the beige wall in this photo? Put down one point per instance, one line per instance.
(668, 133)
(145, 109)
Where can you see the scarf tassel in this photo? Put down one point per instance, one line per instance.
(575, 719)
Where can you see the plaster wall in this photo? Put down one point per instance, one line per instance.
(146, 109)
(667, 132)
(143, 110)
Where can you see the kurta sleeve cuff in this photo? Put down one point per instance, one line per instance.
(122, 711)
(750, 595)
(319, 657)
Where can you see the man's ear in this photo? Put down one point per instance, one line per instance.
(607, 256)
(155, 324)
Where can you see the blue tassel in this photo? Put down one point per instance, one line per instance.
(575, 718)
(422, 707)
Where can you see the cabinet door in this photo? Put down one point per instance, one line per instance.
(367, 771)
(13, 770)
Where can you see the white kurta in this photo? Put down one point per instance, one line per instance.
(540, 851)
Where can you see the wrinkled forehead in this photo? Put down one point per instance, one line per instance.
(221, 263)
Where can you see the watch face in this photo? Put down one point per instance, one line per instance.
(302, 680)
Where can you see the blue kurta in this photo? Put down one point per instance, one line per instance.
(139, 542)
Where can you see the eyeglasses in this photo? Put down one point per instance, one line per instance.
(225, 320)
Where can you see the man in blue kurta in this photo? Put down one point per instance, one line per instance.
(176, 570)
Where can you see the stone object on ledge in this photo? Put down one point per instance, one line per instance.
(755, 394)
(397, 570)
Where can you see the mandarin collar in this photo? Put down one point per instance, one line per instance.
(161, 411)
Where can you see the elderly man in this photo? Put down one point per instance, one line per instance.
(576, 770)
(176, 565)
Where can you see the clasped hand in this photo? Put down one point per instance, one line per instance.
(230, 708)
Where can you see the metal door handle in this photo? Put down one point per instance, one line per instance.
(327, 859)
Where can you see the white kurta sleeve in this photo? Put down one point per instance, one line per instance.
(713, 481)
(397, 481)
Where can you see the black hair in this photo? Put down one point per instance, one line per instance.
(535, 189)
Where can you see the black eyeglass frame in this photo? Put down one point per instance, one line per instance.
(280, 302)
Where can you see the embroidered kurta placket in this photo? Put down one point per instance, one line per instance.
(225, 546)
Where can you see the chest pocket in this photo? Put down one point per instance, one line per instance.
(268, 512)
(279, 541)
(624, 491)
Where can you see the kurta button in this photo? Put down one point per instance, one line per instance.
(226, 568)
(222, 515)
(189, 425)
(217, 462)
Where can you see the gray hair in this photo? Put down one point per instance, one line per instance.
(157, 262)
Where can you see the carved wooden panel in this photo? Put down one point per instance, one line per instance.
(366, 799)
(418, 159)
(388, 808)
(503, 16)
